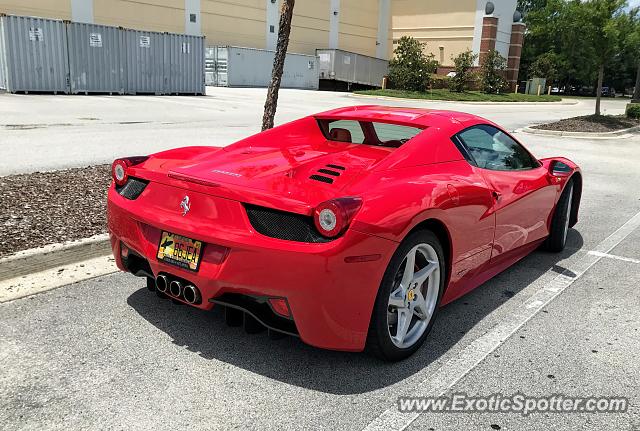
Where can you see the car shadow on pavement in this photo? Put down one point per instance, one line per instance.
(291, 361)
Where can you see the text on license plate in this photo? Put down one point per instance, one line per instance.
(180, 251)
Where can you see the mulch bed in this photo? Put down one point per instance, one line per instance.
(50, 207)
(591, 123)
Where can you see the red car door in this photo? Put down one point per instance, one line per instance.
(523, 195)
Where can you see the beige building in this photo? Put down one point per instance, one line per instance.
(362, 26)
(449, 27)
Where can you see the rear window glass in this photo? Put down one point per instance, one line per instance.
(337, 130)
(367, 132)
(393, 132)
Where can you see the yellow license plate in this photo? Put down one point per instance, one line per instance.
(179, 251)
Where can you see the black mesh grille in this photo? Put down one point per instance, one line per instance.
(133, 188)
(283, 225)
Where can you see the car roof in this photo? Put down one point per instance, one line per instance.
(419, 117)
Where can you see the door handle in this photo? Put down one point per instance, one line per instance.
(496, 196)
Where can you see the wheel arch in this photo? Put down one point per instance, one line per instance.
(440, 230)
(577, 196)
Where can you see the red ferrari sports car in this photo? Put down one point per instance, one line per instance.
(348, 228)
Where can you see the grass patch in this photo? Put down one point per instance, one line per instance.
(469, 96)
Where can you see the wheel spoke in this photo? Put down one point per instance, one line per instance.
(409, 268)
(402, 327)
(420, 306)
(420, 276)
(396, 299)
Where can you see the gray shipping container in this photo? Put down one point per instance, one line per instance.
(96, 58)
(144, 61)
(184, 64)
(251, 67)
(339, 65)
(33, 55)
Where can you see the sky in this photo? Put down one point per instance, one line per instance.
(634, 3)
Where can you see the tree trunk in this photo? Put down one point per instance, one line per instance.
(278, 64)
(599, 89)
(636, 90)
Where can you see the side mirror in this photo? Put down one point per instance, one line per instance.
(559, 169)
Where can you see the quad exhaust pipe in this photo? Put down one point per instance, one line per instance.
(189, 293)
(162, 283)
(175, 288)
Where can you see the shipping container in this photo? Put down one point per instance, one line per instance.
(352, 68)
(96, 58)
(184, 64)
(144, 61)
(250, 67)
(216, 66)
(33, 55)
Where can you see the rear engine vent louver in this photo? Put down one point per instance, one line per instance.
(132, 189)
(283, 225)
(322, 179)
(333, 172)
(329, 172)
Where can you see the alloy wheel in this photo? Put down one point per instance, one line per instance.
(414, 296)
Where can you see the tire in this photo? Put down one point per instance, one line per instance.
(418, 304)
(557, 239)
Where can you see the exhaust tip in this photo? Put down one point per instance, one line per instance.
(192, 294)
(162, 283)
(175, 288)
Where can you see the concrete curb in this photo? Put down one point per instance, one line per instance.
(562, 102)
(614, 134)
(53, 255)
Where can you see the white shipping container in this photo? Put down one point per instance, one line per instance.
(235, 66)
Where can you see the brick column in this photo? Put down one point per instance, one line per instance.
(515, 51)
(489, 34)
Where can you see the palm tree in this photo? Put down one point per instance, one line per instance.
(278, 64)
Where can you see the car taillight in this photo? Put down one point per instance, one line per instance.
(332, 217)
(120, 166)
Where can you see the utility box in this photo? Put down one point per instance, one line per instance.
(96, 58)
(33, 55)
(532, 86)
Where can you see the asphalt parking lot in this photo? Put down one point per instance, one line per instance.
(105, 353)
(59, 132)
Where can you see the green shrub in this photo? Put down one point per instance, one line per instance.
(439, 81)
(545, 66)
(464, 74)
(411, 69)
(492, 73)
(633, 110)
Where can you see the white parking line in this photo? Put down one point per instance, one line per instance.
(465, 361)
(613, 256)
